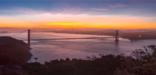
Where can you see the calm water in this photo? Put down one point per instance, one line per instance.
(48, 45)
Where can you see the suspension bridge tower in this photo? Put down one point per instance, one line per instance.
(117, 36)
(29, 38)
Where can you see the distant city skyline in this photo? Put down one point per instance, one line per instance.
(108, 14)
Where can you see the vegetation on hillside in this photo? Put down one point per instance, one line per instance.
(143, 62)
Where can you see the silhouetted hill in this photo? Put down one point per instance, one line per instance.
(13, 51)
(13, 54)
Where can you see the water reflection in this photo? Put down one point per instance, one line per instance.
(48, 46)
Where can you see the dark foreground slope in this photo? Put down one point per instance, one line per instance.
(144, 64)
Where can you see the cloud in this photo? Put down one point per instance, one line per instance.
(98, 7)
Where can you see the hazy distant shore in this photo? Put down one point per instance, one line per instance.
(131, 35)
(128, 34)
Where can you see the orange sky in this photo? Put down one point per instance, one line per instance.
(47, 20)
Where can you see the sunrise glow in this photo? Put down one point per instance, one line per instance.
(77, 21)
(78, 14)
